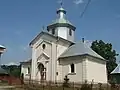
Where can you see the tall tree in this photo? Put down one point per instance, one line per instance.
(106, 51)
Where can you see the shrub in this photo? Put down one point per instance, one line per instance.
(86, 86)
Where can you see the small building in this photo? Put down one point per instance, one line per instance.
(115, 75)
(26, 69)
(4, 76)
(55, 54)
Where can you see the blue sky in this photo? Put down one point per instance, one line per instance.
(22, 20)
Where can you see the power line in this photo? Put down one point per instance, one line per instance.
(85, 8)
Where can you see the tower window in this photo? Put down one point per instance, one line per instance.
(53, 31)
(43, 46)
(70, 32)
(72, 68)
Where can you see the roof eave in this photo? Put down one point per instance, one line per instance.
(61, 25)
(36, 37)
(81, 55)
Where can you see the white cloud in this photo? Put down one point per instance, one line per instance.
(11, 63)
(25, 48)
(77, 2)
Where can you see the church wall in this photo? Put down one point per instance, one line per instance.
(96, 70)
(61, 47)
(70, 38)
(62, 32)
(33, 65)
(37, 50)
(79, 68)
(24, 70)
(54, 48)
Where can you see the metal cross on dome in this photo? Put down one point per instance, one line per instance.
(61, 3)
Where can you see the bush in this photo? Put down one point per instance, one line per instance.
(86, 86)
(100, 86)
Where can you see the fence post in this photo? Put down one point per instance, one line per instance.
(73, 85)
(43, 86)
(63, 87)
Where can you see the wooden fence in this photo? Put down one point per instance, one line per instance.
(48, 85)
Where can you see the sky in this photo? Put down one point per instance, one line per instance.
(22, 20)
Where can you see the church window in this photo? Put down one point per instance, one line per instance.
(70, 32)
(43, 46)
(53, 31)
(57, 73)
(72, 68)
(28, 70)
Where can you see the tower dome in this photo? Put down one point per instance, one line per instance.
(61, 26)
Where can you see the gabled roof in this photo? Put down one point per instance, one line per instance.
(45, 33)
(80, 48)
(116, 70)
(25, 62)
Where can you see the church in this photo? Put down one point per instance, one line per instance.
(55, 54)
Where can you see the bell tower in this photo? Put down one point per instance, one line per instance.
(61, 27)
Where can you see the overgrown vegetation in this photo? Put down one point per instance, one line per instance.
(13, 70)
(86, 86)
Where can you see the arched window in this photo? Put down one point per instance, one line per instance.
(53, 31)
(72, 68)
(43, 46)
(70, 32)
(28, 70)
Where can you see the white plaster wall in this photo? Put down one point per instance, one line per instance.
(47, 51)
(62, 32)
(40, 50)
(78, 61)
(70, 38)
(24, 70)
(61, 47)
(53, 50)
(37, 50)
(96, 70)
(33, 64)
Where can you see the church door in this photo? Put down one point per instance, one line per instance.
(42, 71)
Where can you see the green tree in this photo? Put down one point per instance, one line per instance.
(13, 70)
(106, 51)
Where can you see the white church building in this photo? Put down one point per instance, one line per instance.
(55, 54)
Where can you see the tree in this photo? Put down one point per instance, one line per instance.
(106, 51)
(13, 70)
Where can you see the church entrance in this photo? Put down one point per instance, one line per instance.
(42, 71)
